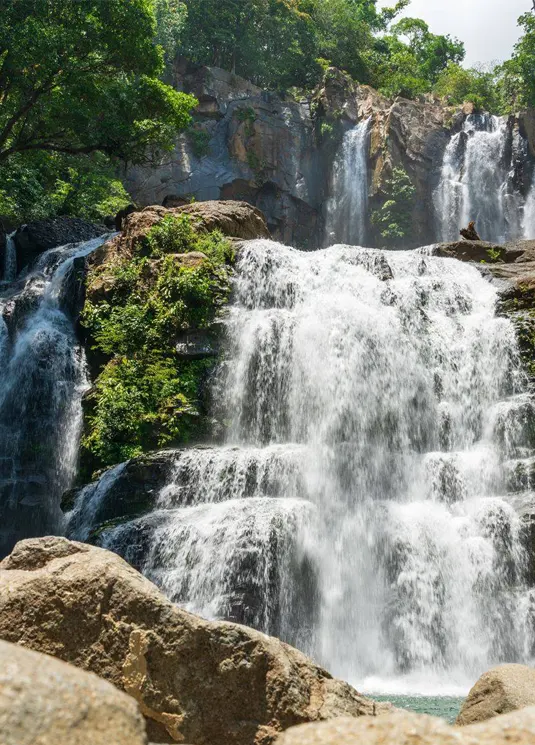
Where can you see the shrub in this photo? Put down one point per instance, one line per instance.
(145, 396)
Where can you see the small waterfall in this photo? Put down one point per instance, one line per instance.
(477, 182)
(347, 208)
(528, 221)
(365, 505)
(10, 260)
(42, 378)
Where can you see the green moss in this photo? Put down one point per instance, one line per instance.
(146, 397)
(200, 142)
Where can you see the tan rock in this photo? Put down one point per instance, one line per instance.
(407, 728)
(500, 690)
(195, 681)
(399, 728)
(46, 702)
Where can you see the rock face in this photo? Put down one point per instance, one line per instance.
(195, 681)
(499, 691)
(279, 153)
(404, 728)
(246, 144)
(46, 702)
(35, 237)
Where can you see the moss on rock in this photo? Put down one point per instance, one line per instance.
(146, 395)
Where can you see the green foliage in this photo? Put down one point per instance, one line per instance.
(394, 219)
(146, 397)
(200, 142)
(518, 74)
(82, 77)
(171, 16)
(475, 85)
(37, 185)
(413, 58)
(280, 44)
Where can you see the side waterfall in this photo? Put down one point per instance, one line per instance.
(367, 504)
(42, 378)
(477, 182)
(347, 207)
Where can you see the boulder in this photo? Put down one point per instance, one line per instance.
(500, 690)
(196, 681)
(406, 728)
(46, 702)
(399, 728)
(234, 219)
(35, 237)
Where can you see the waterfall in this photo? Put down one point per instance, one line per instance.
(367, 503)
(42, 378)
(476, 182)
(10, 259)
(347, 207)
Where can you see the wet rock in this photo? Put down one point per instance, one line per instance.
(194, 680)
(45, 701)
(499, 691)
(123, 492)
(121, 216)
(35, 237)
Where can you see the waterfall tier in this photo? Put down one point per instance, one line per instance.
(478, 182)
(366, 506)
(42, 378)
(347, 209)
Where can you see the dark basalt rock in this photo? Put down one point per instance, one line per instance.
(36, 237)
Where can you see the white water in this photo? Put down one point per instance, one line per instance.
(42, 378)
(347, 207)
(10, 259)
(476, 182)
(360, 509)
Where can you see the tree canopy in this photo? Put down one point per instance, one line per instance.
(81, 77)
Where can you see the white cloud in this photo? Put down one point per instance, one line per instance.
(487, 27)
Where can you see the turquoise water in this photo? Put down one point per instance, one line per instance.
(446, 707)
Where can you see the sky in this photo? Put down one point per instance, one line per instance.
(487, 27)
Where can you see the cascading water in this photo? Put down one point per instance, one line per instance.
(364, 505)
(10, 259)
(347, 207)
(476, 182)
(42, 378)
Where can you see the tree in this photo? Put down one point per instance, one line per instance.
(457, 84)
(394, 219)
(413, 58)
(519, 71)
(82, 77)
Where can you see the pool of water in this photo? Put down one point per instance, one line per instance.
(445, 707)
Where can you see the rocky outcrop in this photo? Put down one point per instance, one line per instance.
(195, 681)
(238, 220)
(404, 728)
(245, 144)
(278, 153)
(46, 702)
(499, 691)
(35, 237)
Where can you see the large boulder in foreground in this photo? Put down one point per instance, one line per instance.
(46, 702)
(195, 681)
(406, 728)
(503, 689)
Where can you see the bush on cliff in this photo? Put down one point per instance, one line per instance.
(146, 395)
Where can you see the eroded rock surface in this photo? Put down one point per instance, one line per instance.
(405, 728)
(499, 691)
(195, 681)
(46, 702)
